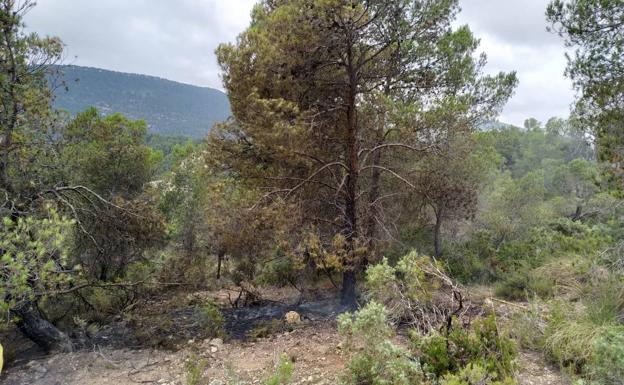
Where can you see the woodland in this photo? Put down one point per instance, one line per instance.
(362, 165)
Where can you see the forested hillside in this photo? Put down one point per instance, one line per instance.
(168, 107)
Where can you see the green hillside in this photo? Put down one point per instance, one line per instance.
(169, 108)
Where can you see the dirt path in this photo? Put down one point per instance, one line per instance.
(533, 371)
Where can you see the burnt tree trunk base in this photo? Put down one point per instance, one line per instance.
(219, 259)
(42, 332)
(347, 294)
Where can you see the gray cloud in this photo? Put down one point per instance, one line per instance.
(513, 35)
(176, 40)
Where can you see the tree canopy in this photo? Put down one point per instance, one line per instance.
(329, 98)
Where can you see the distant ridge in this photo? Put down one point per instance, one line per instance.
(169, 108)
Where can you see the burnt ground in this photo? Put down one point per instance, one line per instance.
(257, 336)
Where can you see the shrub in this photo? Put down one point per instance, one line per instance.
(474, 374)
(280, 271)
(376, 360)
(267, 328)
(416, 291)
(608, 361)
(211, 320)
(483, 346)
(455, 357)
(194, 369)
(283, 371)
(578, 337)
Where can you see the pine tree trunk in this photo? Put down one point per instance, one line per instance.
(351, 231)
(219, 259)
(436, 234)
(348, 288)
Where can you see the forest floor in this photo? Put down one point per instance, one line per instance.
(314, 346)
(315, 350)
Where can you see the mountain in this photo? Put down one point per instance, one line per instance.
(169, 108)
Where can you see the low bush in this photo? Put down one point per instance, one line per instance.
(482, 346)
(211, 320)
(416, 291)
(376, 359)
(454, 357)
(283, 371)
(280, 272)
(584, 337)
(473, 374)
(607, 366)
(194, 368)
(267, 328)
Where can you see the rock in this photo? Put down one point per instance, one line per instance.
(40, 369)
(292, 318)
(214, 349)
(218, 342)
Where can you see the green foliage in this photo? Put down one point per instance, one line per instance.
(454, 358)
(607, 366)
(573, 334)
(593, 29)
(265, 329)
(108, 153)
(378, 361)
(522, 284)
(474, 374)
(281, 271)
(194, 368)
(484, 346)
(407, 288)
(283, 371)
(34, 261)
(211, 320)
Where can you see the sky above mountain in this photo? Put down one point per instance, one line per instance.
(176, 40)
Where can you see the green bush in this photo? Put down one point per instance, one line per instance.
(279, 272)
(376, 360)
(525, 283)
(474, 374)
(211, 320)
(608, 361)
(194, 368)
(455, 357)
(267, 328)
(483, 346)
(581, 337)
(283, 371)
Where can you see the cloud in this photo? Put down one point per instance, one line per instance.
(176, 40)
(522, 23)
(514, 37)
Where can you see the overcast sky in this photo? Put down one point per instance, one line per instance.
(176, 40)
